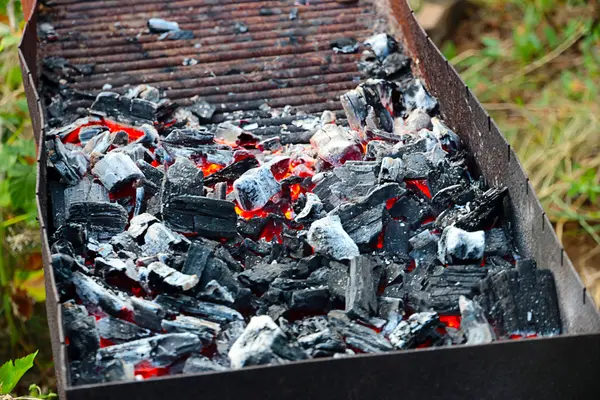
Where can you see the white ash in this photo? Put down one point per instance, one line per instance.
(379, 44)
(416, 120)
(172, 277)
(140, 224)
(327, 236)
(263, 342)
(312, 210)
(457, 245)
(255, 187)
(474, 323)
(336, 144)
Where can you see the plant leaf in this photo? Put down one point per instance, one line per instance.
(10, 373)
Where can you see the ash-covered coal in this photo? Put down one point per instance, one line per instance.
(183, 244)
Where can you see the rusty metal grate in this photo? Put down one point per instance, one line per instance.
(278, 61)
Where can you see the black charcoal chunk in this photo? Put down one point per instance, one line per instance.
(120, 331)
(197, 257)
(205, 330)
(396, 64)
(324, 343)
(116, 170)
(392, 170)
(325, 188)
(63, 266)
(363, 220)
(70, 165)
(327, 236)
(309, 300)
(189, 137)
(259, 277)
(425, 246)
(255, 187)
(457, 246)
(378, 149)
(336, 144)
(208, 217)
(90, 372)
(313, 209)
(411, 208)
(147, 314)
(80, 328)
(357, 336)
(95, 296)
(390, 310)
(395, 238)
(344, 45)
(101, 221)
(216, 293)
(159, 351)
(415, 330)
(522, 301)
(474, 323)
(166, 279)
(357, 178)
(496, 243)
(451, 195)
(263, 342)
(198, 363)
(159, 25)
(153, 177)
(361, 300)
(202, 109)
(115, 267)
(444, 286)
(210, 311)
(417, 166)
(179, 35)
(182, 178)
(124, 242)
(479, 215)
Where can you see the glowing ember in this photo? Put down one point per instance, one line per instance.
(295, 191)
(420, 185)
(105, 342)
(251, 214)
(390, 202)
(272, 230)
(146, 370)
(133, 133)
(209, 169)
(451, 321)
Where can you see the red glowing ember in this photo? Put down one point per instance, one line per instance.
(209, 169)
(451, 321)
(272, 230)
(133, 133)
(146, 370)
(420, 185)
(105, 342)
(251, 214)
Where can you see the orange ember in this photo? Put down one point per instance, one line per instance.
(251, 214)
(209, 169)
(419, 184)
(289, 214)
(295, 191)
(451, 321)
(134, 134)
(390, 202)
(272, 230)
(380, 240)
(146, 370)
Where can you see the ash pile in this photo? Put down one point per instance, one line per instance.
(182, 245)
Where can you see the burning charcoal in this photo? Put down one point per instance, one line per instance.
(447, 138)
(325, 187)
(189, 137)
(228, 132)
(116, 170)
(147, 314)
(327, 236)
(231, 172)
(255, 187)
(324, 343)
(445, 285)
(312, 210)
(153, 177)
(474, 323)
(159, 25)
(310, 300)
(364, 106)
(377, 149)
(480, 213)
(88, 132)
(416, 96)
(357, 336)
(217, 269)
(116, 267)
(382, 45)
(361, 300)
(336, 144)
(202, 109)
(120, 331)
(457, 245)
(160, 239)
(417, 166)
(392, 170)
(71, 165)
(395, 238)
(216, 293)
(139, 225)
(205, 330)
(80, 328)
(270, 144)
(159, 351)
(411, 208)
(164, 278)
(259, 277)
(182, 178)
(344, 45)
(418, 119)
(396, 64)
(522, 301)
(496, 243)
(263, 342)
(123, 241)
(410, 146)
(210, 311)
(362, 220)
(94, 296)
(197, 363)
(416, 330)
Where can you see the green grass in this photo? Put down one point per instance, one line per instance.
(536, 69)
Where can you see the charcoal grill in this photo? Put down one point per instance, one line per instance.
(558, 367)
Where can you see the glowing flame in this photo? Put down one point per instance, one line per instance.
(260, 213)
(420, 185)
(209, 169)
(272, 230)
(451, 321)
(147, 370)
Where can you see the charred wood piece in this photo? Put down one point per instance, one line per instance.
(116, 170)
(474, 323)
(205, 330)
(255, 187)
(327, 236)
(80, 328)
(415, 330)
(336, 144)
(457, 246)
(120, 331)
(361, 298)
